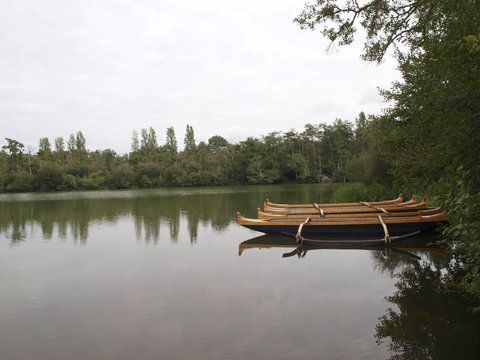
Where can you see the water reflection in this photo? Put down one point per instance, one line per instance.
(385, 258)
(425, 319)
(70, 215)
(72, 218)
(118, 300)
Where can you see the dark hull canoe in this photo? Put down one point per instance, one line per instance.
(394, 229)
(386, 225)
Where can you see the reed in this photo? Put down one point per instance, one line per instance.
(350, 193)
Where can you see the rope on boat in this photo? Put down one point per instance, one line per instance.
(385, 229)
(299, 237)
(375, 207)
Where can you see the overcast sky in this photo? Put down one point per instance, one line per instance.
(234, 68)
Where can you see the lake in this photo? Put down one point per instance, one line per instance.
(169, 274)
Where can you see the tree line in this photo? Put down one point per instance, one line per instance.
(319, 153)
(429, 135)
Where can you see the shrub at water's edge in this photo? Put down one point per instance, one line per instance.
(462, 199)
(360, 192)
(349, 193)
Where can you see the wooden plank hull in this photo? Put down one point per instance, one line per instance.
(272, 216)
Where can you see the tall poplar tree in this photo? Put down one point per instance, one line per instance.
(71, 143)
(135, 142)
(189, 140)
(59, 144)
(171, 145)
(80, 141)
(44, 145)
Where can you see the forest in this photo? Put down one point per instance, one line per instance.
(320, 153)
(426, 142)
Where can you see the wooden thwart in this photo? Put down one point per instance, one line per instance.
(299, 232)
(318, 209)
(374, 207)
(385, 229)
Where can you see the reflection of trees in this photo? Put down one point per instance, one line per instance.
(69, 215)
(386, 263)
(397, 258)
(428, 322)
(408, 252)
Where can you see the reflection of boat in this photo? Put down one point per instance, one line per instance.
(419, 245)
(354, 242)
(267, 242)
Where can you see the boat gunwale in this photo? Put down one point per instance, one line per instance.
(399, 199)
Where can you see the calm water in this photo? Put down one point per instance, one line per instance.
(168, 274)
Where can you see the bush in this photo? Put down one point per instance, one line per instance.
(49, 177)
(463, 204)
(350, 193)
(19, 182)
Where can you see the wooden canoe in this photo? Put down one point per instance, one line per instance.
(375, 203)
(392, 225)
(279, 216)
(362, 207)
